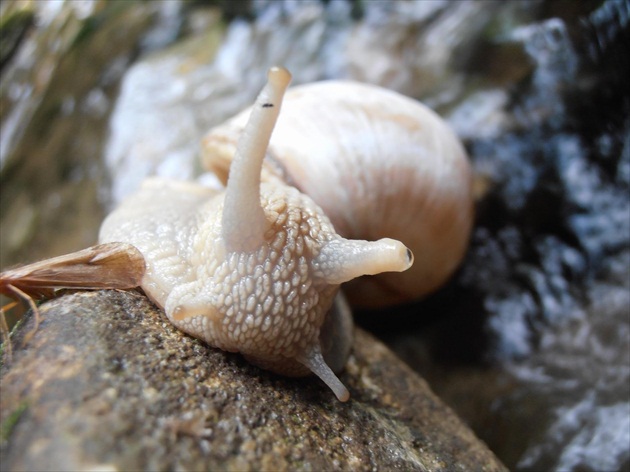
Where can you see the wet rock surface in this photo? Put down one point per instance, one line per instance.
(530, 342)
(107, 383)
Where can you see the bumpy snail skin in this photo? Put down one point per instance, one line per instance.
(254, 269)
(380, 165)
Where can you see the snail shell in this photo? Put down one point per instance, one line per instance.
(254, 269)
(379, 165)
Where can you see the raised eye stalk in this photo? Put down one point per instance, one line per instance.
(244, 222)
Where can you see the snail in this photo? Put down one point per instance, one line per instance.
(256, 268)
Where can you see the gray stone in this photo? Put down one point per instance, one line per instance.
(108, 383)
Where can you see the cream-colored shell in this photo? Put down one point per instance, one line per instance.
(379, 164)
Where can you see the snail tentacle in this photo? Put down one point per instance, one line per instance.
(244, 222)
(314, 360)
(341, 260)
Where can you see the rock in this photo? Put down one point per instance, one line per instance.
(107, 383)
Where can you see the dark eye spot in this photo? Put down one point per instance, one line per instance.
(409, 256)
(267, 105)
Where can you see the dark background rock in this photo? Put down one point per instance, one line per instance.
(107, 383)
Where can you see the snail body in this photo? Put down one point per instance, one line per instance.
(379, 165)
(254, 269)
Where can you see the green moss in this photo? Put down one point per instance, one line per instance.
(9, 423)
(13, 26)
(13, 327)
(92, 24)
(16, 20)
